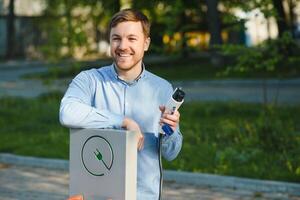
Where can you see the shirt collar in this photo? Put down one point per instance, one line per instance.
(116, 76)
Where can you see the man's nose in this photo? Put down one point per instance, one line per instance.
(123, 44)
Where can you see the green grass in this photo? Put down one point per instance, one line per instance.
(30, 127)
(220, 138)
(237, 139)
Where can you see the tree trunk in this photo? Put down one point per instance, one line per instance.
(214, 28)
(293, 18)
(116, 6)
(184, 46)
(281, 17)
(112, 6)
(69, 27)
(10, 31)
(213, 20)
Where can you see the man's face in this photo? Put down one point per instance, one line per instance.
(128, 43)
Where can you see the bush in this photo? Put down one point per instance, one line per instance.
(276, 57)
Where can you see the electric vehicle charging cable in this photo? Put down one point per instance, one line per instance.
(172, 105)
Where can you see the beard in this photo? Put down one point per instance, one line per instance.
(125, 63)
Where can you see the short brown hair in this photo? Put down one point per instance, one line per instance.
(131, 15)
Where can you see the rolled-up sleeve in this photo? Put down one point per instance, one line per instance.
(76, 110)
(171, 145)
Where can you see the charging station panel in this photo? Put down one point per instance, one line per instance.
(103, 164)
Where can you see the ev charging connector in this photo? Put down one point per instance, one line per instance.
(172, 105)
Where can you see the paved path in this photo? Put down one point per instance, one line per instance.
(36, 183)
(284, 91)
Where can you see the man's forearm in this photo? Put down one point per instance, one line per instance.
(74, 114)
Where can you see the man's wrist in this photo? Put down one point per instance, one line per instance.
(126, 122)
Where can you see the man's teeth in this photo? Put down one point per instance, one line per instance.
(124, 54)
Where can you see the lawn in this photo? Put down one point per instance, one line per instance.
(221, 138)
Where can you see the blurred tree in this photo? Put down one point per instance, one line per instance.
(10, 31)
(214, 27)
(281, 19)
(263, 6)
(282, 10)
(176, 22)
(82, 25)
(112, 6)
(292, 15)
(173, 19)
(213, 20)
(285, 18)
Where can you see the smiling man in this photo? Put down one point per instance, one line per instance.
(125, 95)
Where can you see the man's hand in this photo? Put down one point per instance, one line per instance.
(168, 118)
(78, 197)
(131, 125)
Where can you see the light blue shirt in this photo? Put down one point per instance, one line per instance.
(98, 98)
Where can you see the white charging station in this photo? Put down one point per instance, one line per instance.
(103, 164)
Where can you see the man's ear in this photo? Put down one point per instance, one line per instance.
(147, 44)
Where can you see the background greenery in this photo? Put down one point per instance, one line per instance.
(231, 138)
(75, 28)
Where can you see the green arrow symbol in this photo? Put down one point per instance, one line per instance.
(100, 157)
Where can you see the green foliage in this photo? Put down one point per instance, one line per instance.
(270, 56)
(72, 28)
(76, 26)
(170, 17)
(265, 6)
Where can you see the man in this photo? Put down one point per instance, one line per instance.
(125, 95)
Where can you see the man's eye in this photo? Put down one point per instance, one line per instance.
(116, 39)
(132, 39)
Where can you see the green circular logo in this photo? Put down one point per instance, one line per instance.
(97, 155)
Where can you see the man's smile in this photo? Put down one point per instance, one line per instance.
(124, 54)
